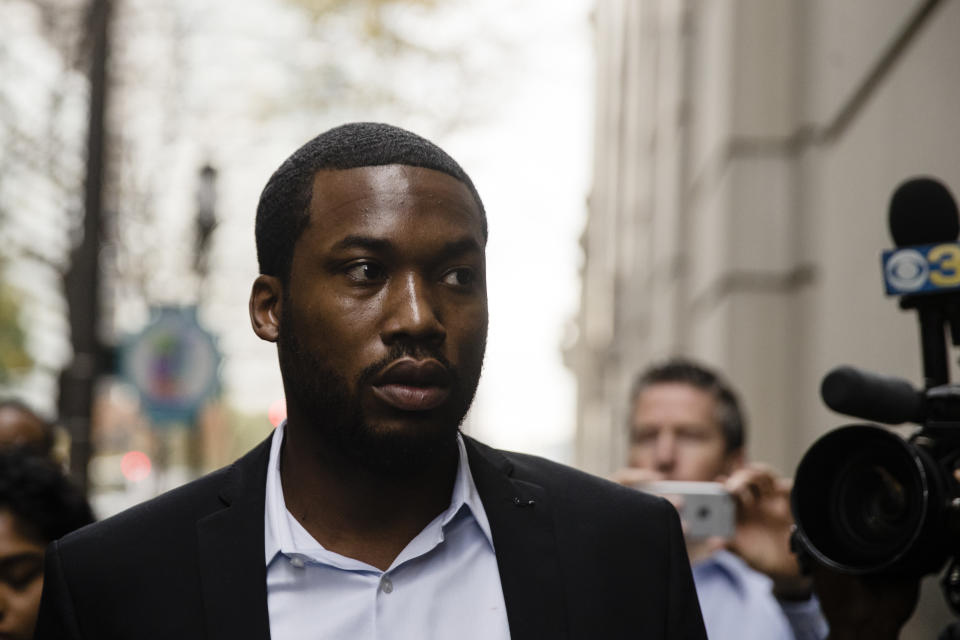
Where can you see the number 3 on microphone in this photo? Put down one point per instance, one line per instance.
(944, 262)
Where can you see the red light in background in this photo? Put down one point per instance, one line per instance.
(135, 465)
(277, 412)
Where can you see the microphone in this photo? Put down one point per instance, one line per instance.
(873, 397)
(924, 225)
(922, 211)
(925, 268)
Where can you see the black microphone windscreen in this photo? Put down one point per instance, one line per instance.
(866, 395)
(922, 211)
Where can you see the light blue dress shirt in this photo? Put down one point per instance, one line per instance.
(738, 604)
(444, 584)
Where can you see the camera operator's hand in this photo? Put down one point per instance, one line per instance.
(764, 523)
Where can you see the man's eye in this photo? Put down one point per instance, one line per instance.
(643, 437)
(461, 277)
(692, 435)
(366, 272)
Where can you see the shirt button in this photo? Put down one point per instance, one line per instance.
(297, 562)
(386, 585)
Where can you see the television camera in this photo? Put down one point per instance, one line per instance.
(866, 500)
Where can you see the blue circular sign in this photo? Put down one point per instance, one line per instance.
(174, 364)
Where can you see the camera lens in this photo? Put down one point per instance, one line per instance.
(865, 500)
(874, 504)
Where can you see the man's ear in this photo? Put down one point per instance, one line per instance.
(266, 305)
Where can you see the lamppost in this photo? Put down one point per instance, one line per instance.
(206, 221)
(82, 280)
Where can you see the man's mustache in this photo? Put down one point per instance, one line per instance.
(413, 350)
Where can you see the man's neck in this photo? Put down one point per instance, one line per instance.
(353, 510)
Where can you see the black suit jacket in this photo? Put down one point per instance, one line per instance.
(579, 557)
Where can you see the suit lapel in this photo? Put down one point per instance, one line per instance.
(234, 576)
(522, 523)
(233, 572)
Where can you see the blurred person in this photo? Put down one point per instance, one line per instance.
(686, 424)
(367, 514)
(22, 427)
(38, 504)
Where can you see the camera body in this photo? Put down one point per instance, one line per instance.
(706, 508)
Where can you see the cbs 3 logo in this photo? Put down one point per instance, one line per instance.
(909, 269)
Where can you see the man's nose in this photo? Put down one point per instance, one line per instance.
(666, 451)
(411, 312)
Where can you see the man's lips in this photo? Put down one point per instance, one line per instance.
(413, 385)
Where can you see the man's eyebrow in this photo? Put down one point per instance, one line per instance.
(465, 244)
(361, 242)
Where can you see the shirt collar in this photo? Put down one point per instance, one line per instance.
(278, 538)
(465, 493)
(726, 564)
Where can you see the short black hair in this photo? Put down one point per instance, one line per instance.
(44, 501)
(284, 208)
(732, 420)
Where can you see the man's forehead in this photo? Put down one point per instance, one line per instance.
(677, 389)
(393, 204)
(677, 398)
(336, 188)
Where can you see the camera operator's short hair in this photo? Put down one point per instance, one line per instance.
(284, 209)
(681, 370)
(45, 503)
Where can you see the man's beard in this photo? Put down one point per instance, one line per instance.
(323, 397)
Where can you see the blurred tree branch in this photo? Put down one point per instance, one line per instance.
(15, 360)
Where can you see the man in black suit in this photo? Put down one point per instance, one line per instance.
(367, 514)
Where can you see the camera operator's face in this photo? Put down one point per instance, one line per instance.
(675, 433)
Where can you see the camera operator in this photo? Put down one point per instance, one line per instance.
(686, 424)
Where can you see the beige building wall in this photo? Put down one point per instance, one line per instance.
(746, 152)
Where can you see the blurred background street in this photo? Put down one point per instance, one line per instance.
(203, 101)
